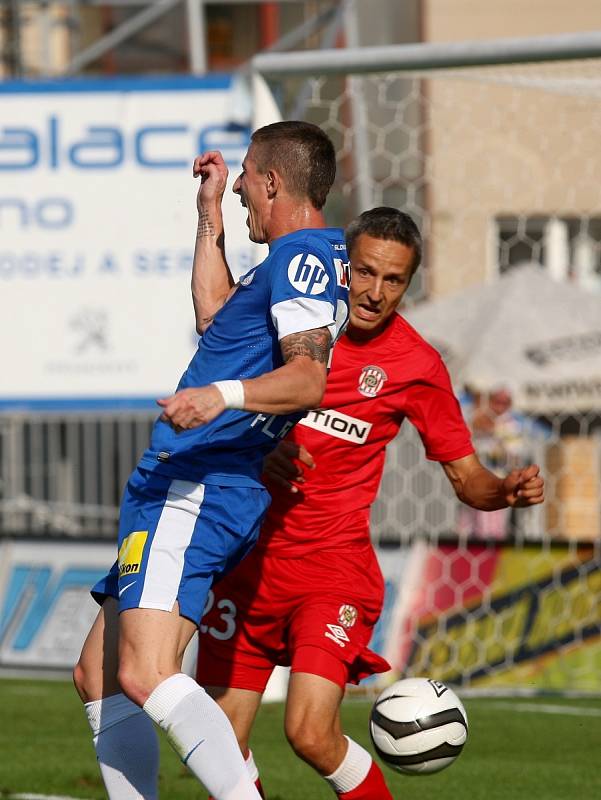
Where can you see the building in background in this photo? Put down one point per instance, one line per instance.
(452, 179)
(522, 181)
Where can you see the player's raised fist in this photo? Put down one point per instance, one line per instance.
(213, 173)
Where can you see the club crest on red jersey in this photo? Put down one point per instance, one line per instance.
(371, 380)
(347, 615)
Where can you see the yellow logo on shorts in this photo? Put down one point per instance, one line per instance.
(130, 552)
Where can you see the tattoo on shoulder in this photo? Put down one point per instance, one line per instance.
(314, 343)
(205, 225)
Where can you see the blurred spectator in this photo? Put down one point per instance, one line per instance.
(504, 440)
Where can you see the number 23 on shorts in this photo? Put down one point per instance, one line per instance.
(227, 616)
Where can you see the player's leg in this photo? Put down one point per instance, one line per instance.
(314, 730)
(151, 648)
(241, 707)
(124, 737)
(168, 553)
(240, 639)
(184, 535)
(95, 674)
(312, 721)
(327, 643)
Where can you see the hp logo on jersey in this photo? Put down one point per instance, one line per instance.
(307, 274)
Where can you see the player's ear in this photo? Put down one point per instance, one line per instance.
(273, 183)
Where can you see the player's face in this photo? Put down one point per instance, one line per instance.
(251, 186)
(381, 273)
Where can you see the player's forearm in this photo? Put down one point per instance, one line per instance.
(298, 385)
(475, 485)
(211, 277)
(483, 490)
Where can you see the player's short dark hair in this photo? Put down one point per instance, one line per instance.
(301, 153)
(387, 223)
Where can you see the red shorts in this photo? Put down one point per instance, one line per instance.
(314, 613)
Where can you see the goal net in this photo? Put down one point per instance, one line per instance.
(498, 167)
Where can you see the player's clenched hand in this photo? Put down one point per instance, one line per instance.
(213, 177)
(284, 465)
(524, 487)
(190, 408)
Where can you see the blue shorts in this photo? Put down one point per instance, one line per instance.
(175, 538)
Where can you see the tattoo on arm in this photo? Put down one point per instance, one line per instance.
(205, 225)
(314, 343)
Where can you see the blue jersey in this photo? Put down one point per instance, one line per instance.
(301, 285)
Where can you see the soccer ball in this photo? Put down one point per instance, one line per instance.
(418, 726)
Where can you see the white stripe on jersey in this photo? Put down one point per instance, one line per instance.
(172, 537)
(302, 314)
(337, 424)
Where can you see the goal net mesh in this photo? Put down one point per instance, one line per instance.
(498, 166)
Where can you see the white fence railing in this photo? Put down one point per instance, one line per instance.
(63, 474)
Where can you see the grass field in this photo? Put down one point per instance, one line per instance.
(516, 750)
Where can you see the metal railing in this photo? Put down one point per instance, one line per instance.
(63, 474)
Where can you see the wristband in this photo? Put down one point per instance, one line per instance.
(232, 393)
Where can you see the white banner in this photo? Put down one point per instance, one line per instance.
(46, 609)
(97, 228)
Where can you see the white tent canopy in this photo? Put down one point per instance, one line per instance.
(538, 337)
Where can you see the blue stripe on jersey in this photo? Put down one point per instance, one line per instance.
(242, 342)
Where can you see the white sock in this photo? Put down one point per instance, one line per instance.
(352, 770)
(126, 748)
(201, 734)
(251, 767)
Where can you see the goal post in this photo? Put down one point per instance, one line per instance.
(492, 147)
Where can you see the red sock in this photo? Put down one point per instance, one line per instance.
(372, 788)
(259, 787)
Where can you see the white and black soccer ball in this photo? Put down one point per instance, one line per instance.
(418, 726)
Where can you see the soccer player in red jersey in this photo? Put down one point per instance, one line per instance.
(311, 591)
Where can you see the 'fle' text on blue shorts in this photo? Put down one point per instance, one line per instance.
(175, 538)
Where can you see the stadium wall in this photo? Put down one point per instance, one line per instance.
(484, 616)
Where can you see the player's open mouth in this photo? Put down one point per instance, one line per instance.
(367, 312)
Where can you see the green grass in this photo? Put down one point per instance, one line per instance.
(45, 748)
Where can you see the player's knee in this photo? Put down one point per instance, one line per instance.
(134, 684)
(81, 683)
(95, 676)
(308, 739)
(139, 674)
(89, 682)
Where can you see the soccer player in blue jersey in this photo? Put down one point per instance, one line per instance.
(192, 508)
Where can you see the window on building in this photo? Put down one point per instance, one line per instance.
(568, 246)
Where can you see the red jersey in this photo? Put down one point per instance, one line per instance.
(372, 387)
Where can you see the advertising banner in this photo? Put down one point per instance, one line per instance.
(481, 616)
(97, 228)
(500, 616)
(45, 605)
